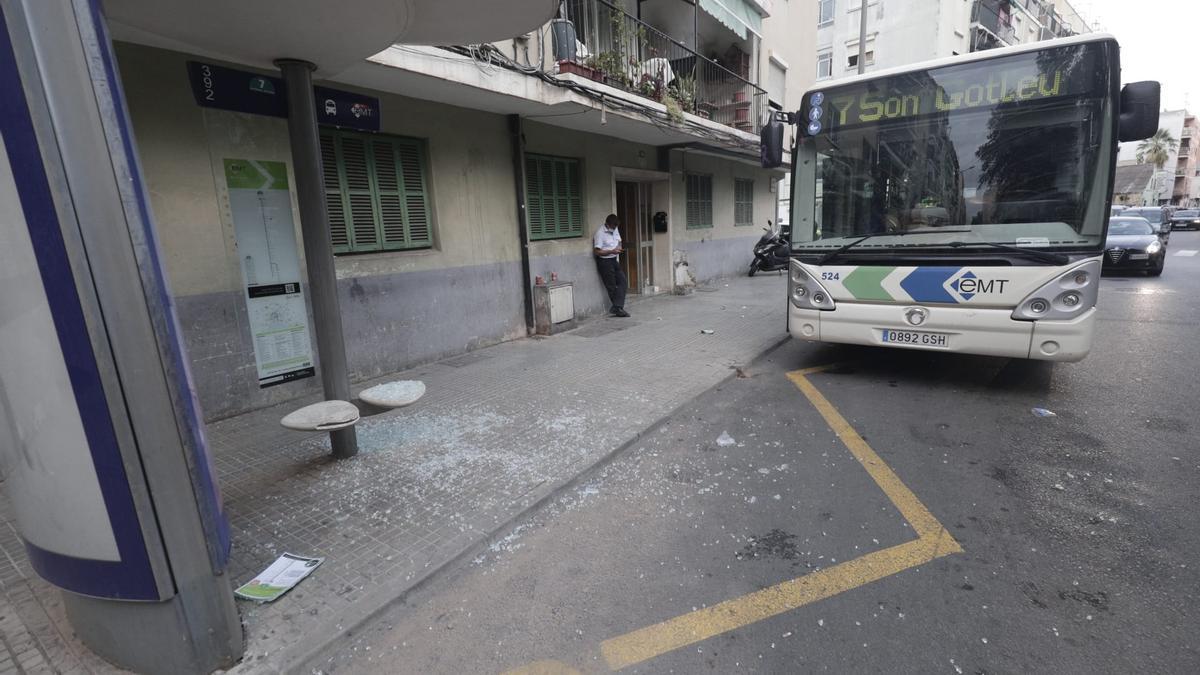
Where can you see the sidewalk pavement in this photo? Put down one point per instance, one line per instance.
(500, 430)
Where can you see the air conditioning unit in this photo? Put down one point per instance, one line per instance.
(553, 307)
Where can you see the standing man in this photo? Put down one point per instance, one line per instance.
(606, 246)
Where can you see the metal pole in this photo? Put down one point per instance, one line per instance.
(862, 38)
(696, 35)
(318, 251)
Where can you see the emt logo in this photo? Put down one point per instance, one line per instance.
(966, 285)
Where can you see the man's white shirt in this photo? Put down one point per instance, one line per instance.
(606, 240)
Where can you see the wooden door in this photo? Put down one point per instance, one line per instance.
(645, 230)
(629, 227)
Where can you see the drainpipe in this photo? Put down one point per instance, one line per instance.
(318, 250)
(517, 130)
(862, 38)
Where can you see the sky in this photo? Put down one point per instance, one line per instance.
(1157, 40)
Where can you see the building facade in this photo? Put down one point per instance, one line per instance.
(900, 32)
(1178, 181)
(479, 169)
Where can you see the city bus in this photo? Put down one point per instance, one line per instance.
(960, 205)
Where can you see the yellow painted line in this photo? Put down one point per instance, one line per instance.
(919, 517)
(933, 541)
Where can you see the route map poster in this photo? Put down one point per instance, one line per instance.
(260, 204)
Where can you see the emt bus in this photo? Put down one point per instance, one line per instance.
(960, 205)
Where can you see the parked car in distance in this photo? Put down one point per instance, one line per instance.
(1158, 216)
(1185, 219)
(1133, 244)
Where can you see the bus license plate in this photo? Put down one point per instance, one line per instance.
(912, 337)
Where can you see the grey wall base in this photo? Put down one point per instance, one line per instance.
(396, 321)
(710, 259)
(391, 322)
(153, 637)
(580, 270)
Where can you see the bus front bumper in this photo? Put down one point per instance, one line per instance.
(991, 332)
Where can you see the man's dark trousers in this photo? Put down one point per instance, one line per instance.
(614, 280)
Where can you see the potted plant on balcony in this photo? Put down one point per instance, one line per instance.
(674, 111)
(651, 87)
(612, 65)
(582, 69)
(683, 89)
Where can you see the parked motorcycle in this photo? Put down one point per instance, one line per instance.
(772, 251)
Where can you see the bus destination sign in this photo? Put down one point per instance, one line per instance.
(982, 84)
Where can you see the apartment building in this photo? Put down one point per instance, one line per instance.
(1178, 181)
(901, 32)
(457, 176)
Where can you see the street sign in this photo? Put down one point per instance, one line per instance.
(243, 91)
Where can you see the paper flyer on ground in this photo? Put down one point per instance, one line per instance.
(287, 571)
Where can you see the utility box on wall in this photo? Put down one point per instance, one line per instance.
(553, 307)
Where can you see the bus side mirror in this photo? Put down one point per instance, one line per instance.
(1139, 111)
(770, 140)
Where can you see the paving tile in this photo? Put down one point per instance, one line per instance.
(498, 429)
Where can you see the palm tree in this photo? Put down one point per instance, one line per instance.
(1157, 149)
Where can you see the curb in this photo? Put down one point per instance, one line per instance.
(348, 621)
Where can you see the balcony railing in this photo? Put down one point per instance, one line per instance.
(995, 16)
(619, 50)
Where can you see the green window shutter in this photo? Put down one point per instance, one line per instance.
(553, 197)
(706, 206)
(693, 203)
(377, 191)
(534, 215)
(419, 230)
(699, 201)
(562, 203)
(575, 196)
(388, 193)
(743, 202)
(339, 234)
(356, 173)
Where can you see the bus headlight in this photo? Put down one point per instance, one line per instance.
(805, 291)
(1066, 297)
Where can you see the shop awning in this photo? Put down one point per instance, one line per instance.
(739, 16)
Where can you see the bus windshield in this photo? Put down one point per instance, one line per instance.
(1008, 150)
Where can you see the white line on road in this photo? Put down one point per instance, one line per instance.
(1187, 252)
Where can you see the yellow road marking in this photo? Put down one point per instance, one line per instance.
(919, 517)
(933, 541)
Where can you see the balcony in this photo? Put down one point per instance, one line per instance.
(991, 25)
(1187, 132)
(1053, 25)
(615, 48)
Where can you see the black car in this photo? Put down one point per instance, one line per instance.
(1132, 244)
(1158, 217)
(1185, 219)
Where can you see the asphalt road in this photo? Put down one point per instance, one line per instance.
(1079, 533)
